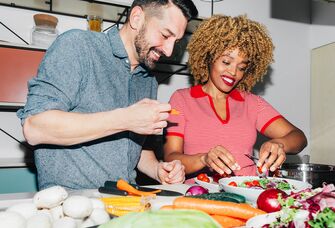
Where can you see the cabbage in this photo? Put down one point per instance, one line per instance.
(163, 218)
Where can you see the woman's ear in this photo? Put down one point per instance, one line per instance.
(136, 18)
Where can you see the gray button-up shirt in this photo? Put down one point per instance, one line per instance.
(88, 72)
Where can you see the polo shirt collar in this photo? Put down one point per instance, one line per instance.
(197, 92)
(118, 47)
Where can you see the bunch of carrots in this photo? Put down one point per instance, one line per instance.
(227, 214)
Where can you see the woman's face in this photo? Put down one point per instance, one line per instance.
(228, 70)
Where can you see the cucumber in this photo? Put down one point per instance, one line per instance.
(222, 196)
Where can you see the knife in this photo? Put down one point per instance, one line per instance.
(112, 185)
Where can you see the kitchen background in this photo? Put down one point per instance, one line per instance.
(299, 83)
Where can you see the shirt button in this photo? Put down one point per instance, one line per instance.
(127, 61)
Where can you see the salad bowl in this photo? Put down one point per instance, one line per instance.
(240, 185)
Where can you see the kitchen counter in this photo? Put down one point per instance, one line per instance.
(7, 200)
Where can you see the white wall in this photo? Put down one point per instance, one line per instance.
(289, 87)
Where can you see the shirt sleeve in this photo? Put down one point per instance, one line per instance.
(266, 114)
(176, 122)
(60, 76)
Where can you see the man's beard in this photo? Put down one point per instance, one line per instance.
(143, 49)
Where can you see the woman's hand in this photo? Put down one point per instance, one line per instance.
(221, 160)
(271, 156)
(171, 172)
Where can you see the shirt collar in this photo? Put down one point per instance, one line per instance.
(197, 92)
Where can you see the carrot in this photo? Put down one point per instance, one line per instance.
(227, 221)
(167, 207)
(174, 112)
(123, 185)
(236, 210)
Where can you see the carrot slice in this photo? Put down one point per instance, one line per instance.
(227, 221)
(174, 112)
(125, 186)
(236, 210)
(167, 207)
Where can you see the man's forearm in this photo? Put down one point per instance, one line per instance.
(148, 164)
(64, 128)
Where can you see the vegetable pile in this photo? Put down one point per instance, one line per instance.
(53, 207)
(228, 209)
(265, 183)
(307, 208)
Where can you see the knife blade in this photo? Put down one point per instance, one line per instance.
(112, 185)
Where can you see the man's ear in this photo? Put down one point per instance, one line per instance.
(136, 18)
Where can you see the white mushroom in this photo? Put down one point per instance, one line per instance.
(77, 207)
(25, 209)
(12, 219)
(50, 197)
(99, 216)
(39, 221)
(45, 212)
(65, 222)
(57, 212)
(87, 223)
(97, 203)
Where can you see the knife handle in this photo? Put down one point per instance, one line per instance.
(112, 191)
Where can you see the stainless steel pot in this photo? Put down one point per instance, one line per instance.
(315, 174)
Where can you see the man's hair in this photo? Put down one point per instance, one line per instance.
(186, 6)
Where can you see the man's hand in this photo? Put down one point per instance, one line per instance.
(147, 117)
(171, 172)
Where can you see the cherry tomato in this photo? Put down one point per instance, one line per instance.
(217, 176)
(248, 184)
(233, 183)
(255, 183)
(259, 169)
(201, 176)
(206, 179)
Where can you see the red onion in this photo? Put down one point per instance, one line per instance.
(196, 190)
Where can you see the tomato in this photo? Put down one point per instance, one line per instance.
(217, 176)
(206, 179)
(233, 183)
(259, 169)
(268, 200)
(201, 176)
(255, 183)
(249, 184)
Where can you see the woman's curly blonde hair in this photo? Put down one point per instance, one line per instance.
(220, 33)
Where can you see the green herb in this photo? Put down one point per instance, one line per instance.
(325, 218)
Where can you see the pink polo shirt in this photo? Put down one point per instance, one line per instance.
(202, 128)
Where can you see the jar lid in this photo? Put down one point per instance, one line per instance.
(45, 20)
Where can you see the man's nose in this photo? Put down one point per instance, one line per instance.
(168, 48)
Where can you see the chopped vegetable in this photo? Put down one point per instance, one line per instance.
(196, 190)
(124, 185)
(223, 196)
(237, 210)
(226, 221)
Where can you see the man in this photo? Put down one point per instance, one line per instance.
(92, 103)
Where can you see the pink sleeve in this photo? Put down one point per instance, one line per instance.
(266, 114)
(176, 123)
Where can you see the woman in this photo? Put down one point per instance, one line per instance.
(219, 117)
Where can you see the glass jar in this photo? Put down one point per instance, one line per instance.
(43, 36)
(94, 23)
